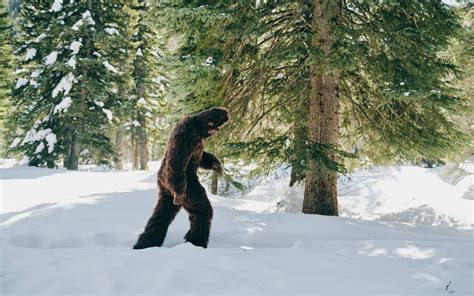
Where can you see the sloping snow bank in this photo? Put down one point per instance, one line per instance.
(405, 194)
(71, 233)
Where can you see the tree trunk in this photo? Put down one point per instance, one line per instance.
(74, 155)
(33, 162)
(140, 71)
(66, 158)
(75, 147)
(320, 196)
(50, 164)
(214, 182)
(134, 152)
(118, 159)
(143, 143)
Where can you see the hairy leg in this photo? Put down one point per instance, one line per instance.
(200, 215)
(157, 226)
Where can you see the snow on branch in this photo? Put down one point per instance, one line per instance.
(85, 20)
(57, 5)
(75, 47)
(51, 58)
(108, 113)
(112, 31)
(72, 62)
(64, 85)
(109, 67)
(30, 54)
(21, 82)
(63, 105)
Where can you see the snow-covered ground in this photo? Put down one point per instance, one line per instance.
(442, 197)
(71, 233)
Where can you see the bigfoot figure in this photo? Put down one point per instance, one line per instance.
(178, 181)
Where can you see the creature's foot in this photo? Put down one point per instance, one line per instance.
(197, 240)
(147, 240)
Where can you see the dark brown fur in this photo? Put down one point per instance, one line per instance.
(178, 181)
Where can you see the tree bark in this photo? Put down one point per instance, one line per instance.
(214, 182)
(135, 151)
(320, 196)
(140, 73)
(50, 164)
(66, 158)
(118, 159)
(75, 147)
(74, 155)
(143, 143)
(33, 162)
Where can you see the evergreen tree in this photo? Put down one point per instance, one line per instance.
(462, 52)
(307, 79)
(148, 98)
(5, 71)
(194, 62)
(65, 91)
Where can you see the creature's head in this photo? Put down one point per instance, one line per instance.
(211, 120)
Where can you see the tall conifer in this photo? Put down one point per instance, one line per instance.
(65, 93)
(306, 80)
(6, 61)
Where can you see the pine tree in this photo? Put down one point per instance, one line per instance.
(307, 79)
(462, 52)
(6, 58)
(194, 61)
(65, 91)
(148, 98)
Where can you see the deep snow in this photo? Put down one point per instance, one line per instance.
(70, 233)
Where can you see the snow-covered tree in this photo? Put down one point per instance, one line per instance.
(462, 51)
(65, 92)
(5, 70)
(148, 97)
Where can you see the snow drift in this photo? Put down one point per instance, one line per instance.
(71, 233)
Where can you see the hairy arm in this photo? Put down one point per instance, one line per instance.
(178, 162)
(210, 162)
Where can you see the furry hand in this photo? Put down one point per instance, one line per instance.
(179, 199)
